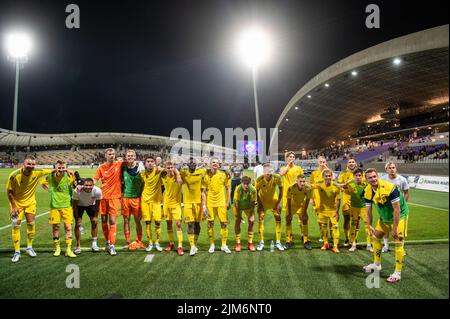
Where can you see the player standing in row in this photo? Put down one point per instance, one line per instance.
(87, 199)
(357, 208)
(192, 199)
(316, 176)
(131, 199)
(109, 173)
(298, 197)
(345, 177)
(393, 211)
(216, 184)
(60, 185)
(21, 190)
(329, 204)
(244, 202)
(402, 183)
(172, 205)
(151, 201)
(270, 191)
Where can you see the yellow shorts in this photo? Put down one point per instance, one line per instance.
(325, 218)
(269, 206)
(30, 209)
(406, 226)
(56, 214)
(220, 212)
(151, 211)
(171, 213)
(192, 213)
(248, 212)
(346, 206)
(358, 213)
(387, 228)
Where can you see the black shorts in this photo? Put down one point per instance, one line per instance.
(90, 211)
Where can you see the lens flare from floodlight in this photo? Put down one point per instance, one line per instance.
(254, 47)
(397, 61)
(18, 45)
(354, 73)
(327, 85)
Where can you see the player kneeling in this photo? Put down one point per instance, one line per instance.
(60, 185)
(86, 199)
(244, 201)
(298, 197)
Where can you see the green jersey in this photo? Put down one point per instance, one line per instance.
(245, 199)
(60, 190)
(357, 194)
(132, 183)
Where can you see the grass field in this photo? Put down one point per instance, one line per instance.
(295, 273)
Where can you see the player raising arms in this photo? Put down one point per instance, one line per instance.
(192, 199)
(244, 201)
(393, 211)
(216, 183)
(357, 208)
(60, 185)
(151, 201)
(21, 190)
(329, 204)
(109, 173)
(298, 197)
(268, 199)
(131, 199)
(345, 177)
(172, 205)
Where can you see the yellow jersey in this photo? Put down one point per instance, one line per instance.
(327, 197)
(267, 189)
(297, 197)
(215, 188)
(152, 191)
(192, 185)
(290, 177)
(345, 177)
(172, 192)
(316, 176)
(24, 187)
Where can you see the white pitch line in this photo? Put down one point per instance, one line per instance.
(414, 204)
(10, 225)
(149, 258)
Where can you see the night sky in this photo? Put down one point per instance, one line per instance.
(151, 66)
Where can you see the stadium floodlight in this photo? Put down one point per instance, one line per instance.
(354, 73)
(397, 61)
(17, 47)
(327, 85)
(254, 49)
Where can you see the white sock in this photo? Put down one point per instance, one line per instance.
(29, 247)
(94, 241)
(386, 242)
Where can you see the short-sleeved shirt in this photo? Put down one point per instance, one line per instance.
(357, 194)
(400, 181)
(24, 187)
(192, 185)
(172, 192)
(344, 178)
(236, 171)
(258, 170)
(297, 197)
(152, 186)
(60, 188)
(291, 176)
(110, 176)
(267, 189)
(244, 199)
(86, 199)
(215, 188)
(327, 196)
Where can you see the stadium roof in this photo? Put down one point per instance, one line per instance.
(11, 138)
(334, 104)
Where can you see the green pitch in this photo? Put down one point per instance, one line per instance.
(295, 273)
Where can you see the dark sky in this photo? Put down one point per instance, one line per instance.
(151, 66)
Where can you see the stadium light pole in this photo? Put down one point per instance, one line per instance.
(17, 46)
(254, 49)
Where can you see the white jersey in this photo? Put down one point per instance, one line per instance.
(258, 170)
(86, 199)
(400, 181)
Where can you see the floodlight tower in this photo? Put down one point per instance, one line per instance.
(17, 47)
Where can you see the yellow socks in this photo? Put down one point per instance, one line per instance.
(211, 234)
(323, 229)
(69, 243)
(335, 233)
(305, 231)
(148, 230)
(180, 237)
(250, 237)
(191, 240)
(261, 230)
(224, 235)
(31, 231)
(278, 230)
(195, 239)
(238, 238)
(353, 231)
(170, 235)
(157, 233)
(16, 237)
(377, 250)
(399, 252)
